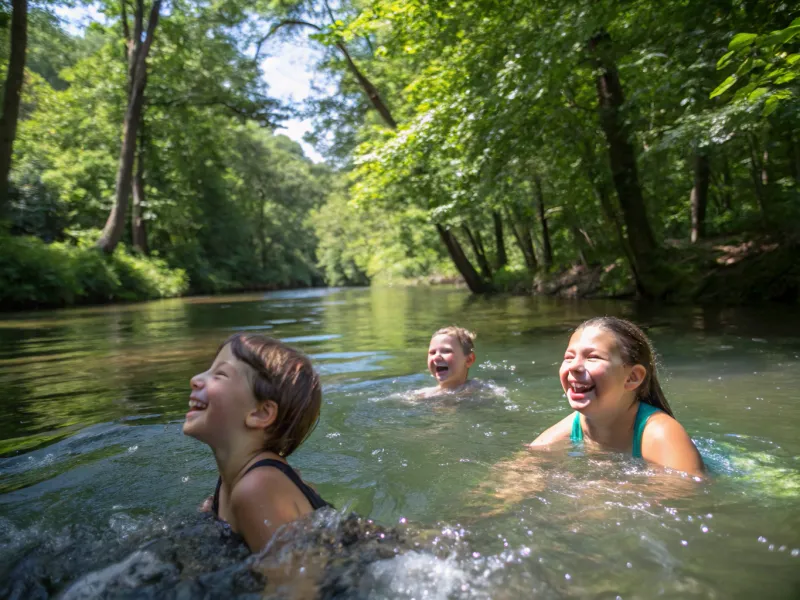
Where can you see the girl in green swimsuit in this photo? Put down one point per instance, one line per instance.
(610, 379)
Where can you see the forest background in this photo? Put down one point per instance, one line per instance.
(579, 147)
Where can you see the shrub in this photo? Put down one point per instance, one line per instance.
(34, 274)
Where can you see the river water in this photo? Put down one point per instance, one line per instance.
(99, 490)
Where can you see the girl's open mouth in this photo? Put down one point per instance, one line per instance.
(196, 405)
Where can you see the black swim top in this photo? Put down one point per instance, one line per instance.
(313, 497)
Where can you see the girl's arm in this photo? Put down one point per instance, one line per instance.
(261, 503)
(557, 433)
(666, 443)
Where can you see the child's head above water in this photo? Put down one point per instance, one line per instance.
(257, 390)
(609, 362)
(450, 355)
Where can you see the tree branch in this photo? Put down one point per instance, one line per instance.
(281, 25)
(126, 31)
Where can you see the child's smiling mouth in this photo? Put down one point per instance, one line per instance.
(195, 404)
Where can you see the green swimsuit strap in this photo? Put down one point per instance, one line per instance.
(577, 430)
(643, 413)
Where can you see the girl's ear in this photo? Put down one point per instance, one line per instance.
(470, 359)
(263, 416)
(635, 377)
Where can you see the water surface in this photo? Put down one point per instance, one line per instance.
(94, 467)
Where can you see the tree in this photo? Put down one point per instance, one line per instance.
(12, 94)
(138, 47)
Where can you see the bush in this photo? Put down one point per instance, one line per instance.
(35, 274)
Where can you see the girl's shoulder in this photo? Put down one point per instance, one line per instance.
(666, 442)
(556, 433)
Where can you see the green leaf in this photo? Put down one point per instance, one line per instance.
(723, 87)
(725, 60)
(745, 67)
(774, 101)
(786, 78)
(741, 40)
(780, 37)
(757, 93)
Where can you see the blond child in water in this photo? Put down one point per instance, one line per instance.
(451, 353)
(610, 379)
(254, 406)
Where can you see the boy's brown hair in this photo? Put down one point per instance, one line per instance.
(465, 338)
(285, 376)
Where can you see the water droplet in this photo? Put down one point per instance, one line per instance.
(704, 529)
(684, 543)
(762, 539)
(771, 547)
(567, 576)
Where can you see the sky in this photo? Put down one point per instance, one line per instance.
(288, 69)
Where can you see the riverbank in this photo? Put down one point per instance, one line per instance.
(725, 271)
(35, 274)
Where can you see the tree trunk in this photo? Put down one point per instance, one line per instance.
(547, 249)
(137, 79)
(138, 230)
(621, 154)
(699, 195)
(502, 258)
(522, 234)
(474, 281)
(262, 217)
(794, 158)
(13, 95)
(758, 172)
(480, 254)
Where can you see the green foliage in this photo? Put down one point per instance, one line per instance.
(33, 273)
(765, 65)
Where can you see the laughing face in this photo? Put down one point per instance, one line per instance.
(594, 375)
(220, 401)
(447, 361)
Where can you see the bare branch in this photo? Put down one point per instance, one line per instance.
(281, 25)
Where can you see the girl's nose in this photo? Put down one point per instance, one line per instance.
(196, 382)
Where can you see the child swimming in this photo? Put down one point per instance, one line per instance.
(255, 405)
(451, 353)
(610, 379)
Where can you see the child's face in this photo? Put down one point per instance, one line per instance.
(220, 401)
(447, 361)
(593, 374)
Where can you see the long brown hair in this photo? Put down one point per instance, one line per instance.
(635, 349)
(285, 376)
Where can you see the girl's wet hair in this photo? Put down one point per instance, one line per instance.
(635, 349)
(285, 376)
(466, 339)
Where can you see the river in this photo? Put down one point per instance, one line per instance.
(99, 490)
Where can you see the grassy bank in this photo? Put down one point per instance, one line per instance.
(35, 274)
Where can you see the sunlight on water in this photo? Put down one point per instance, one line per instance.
(99, 490)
